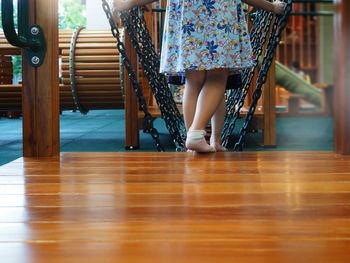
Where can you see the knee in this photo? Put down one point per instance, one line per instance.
(217, 76)
(195, 78)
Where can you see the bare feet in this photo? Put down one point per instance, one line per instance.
(216, 142)
(218, 147)
(196, 142)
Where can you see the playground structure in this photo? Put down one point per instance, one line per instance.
(96, 78)
(265, 114)
(306, 42)
(93, 58)
(97, 83)
(171, 207)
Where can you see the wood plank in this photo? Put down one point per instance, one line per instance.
(194, 251)
(342, 77)
(40, 89)
(132, 139)
(65, 66)
(93, 59)
(176, 207)
(232, 230)
(175, 200)
(114, 51)
(94, 73)
(93, 81)
(89, 45)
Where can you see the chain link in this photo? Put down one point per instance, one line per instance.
(77, 104)
(262, 21)
(127, 64)
(278, 26)
(149, 59)
(135, 26)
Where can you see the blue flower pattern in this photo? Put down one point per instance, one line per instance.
(205, 35)
(209, 5)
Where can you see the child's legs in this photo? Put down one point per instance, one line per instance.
(194, 83)
(217, 122)
(210, 97)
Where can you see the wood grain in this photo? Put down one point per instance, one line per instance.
(341, 77)
(176, 207)
(40, 97)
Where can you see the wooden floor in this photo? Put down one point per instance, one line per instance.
(176, 207)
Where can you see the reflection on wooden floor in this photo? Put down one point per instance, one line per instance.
(176, 207)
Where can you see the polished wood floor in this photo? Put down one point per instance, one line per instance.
(248, 207)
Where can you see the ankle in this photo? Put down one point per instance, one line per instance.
(215, 139)
(195, 136)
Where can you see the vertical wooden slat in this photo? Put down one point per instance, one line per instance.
(269, 105)
(342, 77)
(131, 104)
(146, 87)
(309, 36)
(316, 71)
(40, 100)
(293, 39)
(301, 42)
(285, 55)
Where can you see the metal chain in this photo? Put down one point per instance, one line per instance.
(234, 107)
(148, 119)
(149, 59)
(275, 37)
(76, 100)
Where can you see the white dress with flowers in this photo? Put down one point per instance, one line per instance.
(205, 35)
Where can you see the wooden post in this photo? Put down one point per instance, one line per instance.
(132, 138)
(269, 106)
(131, 104)
(342, 77)
(40, 99)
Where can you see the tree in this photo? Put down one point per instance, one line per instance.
(72, 14)
(16, 60)
(14, 15)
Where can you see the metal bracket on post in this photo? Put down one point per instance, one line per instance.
(32, 39)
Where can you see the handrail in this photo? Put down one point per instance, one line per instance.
(31, 39)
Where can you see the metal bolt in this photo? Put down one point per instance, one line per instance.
(34, 31)
(35, 60)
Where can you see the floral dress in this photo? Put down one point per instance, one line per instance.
(205, 35)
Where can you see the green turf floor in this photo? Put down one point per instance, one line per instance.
(103, 131)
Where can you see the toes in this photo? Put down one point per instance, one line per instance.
(201, 147)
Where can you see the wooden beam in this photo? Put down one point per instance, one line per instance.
(131, 104)
(136, 207)
(342, 77)
(269, 106)
(40, 100)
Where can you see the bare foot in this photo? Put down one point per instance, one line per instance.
(216, 143)
(196, 142)
(201, 147)
(218, 147)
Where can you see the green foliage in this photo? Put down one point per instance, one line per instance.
(16, 60)
(72, 14)
(17, 65)
(15, 10)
